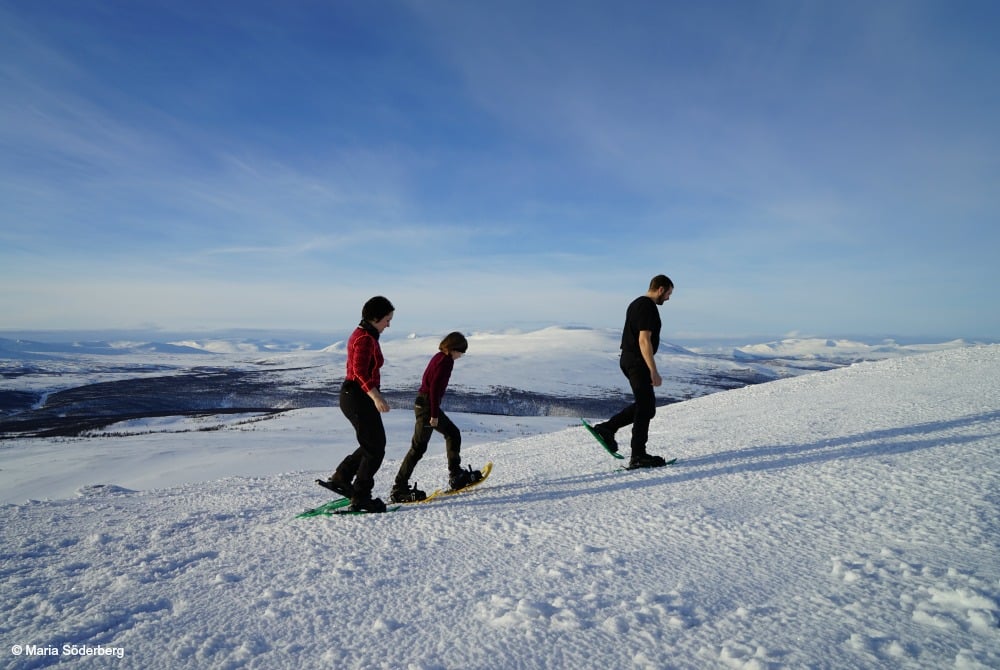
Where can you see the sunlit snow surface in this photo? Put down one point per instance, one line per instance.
(846, 518)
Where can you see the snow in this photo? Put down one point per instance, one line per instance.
(837, 348)
(846, 518)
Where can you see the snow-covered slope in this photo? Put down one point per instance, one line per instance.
(842, 519)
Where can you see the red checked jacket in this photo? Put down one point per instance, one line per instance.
(364, 358)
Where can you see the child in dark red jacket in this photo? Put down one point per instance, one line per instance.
(429, 418)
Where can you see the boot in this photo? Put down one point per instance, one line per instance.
(402, 493)
(646, 461)
(337, 484)
(607, 436)
(463, 478)
(373, 505)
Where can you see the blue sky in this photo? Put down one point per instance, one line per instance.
(820, 168)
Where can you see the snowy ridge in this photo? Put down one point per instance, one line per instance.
(837, 349)
(842, 519)
(53, 388)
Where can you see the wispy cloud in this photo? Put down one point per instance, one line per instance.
(790, 165)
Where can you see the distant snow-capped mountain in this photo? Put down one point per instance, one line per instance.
(66, 387)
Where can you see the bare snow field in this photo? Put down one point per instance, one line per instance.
(842, 519)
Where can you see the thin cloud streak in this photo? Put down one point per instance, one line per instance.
(804, 167)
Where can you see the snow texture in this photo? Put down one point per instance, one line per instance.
(847, 518)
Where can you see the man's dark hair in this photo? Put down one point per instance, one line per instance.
(660, 281)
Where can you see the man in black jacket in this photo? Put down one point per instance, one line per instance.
(640, 340)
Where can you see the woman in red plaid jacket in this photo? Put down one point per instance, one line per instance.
(362, 403)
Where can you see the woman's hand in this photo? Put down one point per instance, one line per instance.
(380, 403)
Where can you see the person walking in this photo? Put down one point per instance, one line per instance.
(362, 403)
(640, 341)
(430, 417)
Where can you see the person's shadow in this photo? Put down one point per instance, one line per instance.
(871, 444)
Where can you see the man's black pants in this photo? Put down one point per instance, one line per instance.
(643, 409)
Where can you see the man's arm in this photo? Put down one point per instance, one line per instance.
(646, 347)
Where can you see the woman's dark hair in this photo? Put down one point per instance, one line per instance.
(376, 309)
(454, 342)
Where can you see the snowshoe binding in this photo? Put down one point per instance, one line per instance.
(370, 505)
(646, 461)
(464, 478)
(402, 493)
(338, 485)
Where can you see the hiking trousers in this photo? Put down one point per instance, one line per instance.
(643, 409)
(422, 432)
(360, 467)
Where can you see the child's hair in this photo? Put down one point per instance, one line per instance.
(454, 342)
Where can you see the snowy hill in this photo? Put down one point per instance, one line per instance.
(848, 518)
